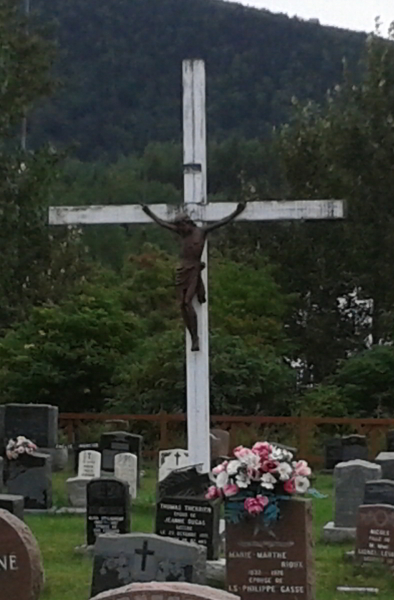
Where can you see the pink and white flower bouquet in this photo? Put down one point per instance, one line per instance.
(19, 446)
(253, 482)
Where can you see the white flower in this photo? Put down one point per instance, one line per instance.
(301, 484)
(222, 479)
(233, 467)
(242, 480)
(277, 453)
(268, 481)
(287, 456)
(284, 471)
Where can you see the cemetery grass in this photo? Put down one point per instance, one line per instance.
(68, 575)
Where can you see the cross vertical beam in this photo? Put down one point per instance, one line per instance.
(195, 191)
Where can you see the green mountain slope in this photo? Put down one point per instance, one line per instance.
(120, 63)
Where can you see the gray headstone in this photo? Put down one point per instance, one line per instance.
(350, 479)
(354, 447)
(333, 453)
(14, 504)
(120, 560)
(172, 459)
(78, 448)
(37, 422)
(380, 491)
(220, 443)
(89, 464)
(76, 491)
(119, 442)
(386, 461)
(30, 476)
(126, 469)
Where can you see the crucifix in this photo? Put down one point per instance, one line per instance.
(144, 552)
(202, 214)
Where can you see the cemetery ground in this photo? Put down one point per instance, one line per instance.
(68, 575)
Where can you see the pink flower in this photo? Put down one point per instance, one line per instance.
(242, 453)
(255, 506)
(230, 489)
(220, 468)
(212, 493)
(301, 468)
(269, 466)
(263, 449)
(289, 486)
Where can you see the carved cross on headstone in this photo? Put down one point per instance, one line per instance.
(195, 198)
(144, 553)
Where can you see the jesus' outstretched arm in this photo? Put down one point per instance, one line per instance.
(157, 219)
(240, 208)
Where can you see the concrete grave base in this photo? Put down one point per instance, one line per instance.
(216, 573)
(337, 535)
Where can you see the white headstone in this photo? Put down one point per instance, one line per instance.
(126, 469)
(169, 460)
(89, 464)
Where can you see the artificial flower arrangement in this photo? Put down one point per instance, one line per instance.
(253, 483)
(19, 446)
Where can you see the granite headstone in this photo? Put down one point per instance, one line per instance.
(78, 448)
(30, 476)
(172, 459)
(333, 453)
(350, 479)
(37, 422)
(126, 469)
(191, 520)
(89, 464)
(380, 491)
(275, 562)
(187, 482)
(390, 440)
(119, 442)
(354, 447)
(14, 504)
(108, 508)
(119, 560)
(165, 591)
(386, 461)
(375, 534)
(21, 572)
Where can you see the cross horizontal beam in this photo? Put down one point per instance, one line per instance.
(270, 210)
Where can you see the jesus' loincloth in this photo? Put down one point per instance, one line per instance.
(188, 279)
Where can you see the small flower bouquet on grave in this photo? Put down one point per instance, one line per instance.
(253, 483)
(19, 446)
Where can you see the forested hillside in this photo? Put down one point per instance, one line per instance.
(120, 66)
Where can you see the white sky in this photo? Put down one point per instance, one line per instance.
(349, 14)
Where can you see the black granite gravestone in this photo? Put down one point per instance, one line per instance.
(186, 482)
(119, 442)
(37, 422)
(78, 448)
(108, 508)
(14, 504)
(390, 440)
(380, 491)
(30, 476)
(354, 447)
(333, 453)
(191, 520)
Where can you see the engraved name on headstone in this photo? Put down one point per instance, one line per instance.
(375, 534)
(108, 508)
(273, 562)
(21, 572)
(191, 520)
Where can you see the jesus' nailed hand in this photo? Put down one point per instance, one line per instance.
(188, 275)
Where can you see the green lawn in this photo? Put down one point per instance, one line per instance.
(68, 575)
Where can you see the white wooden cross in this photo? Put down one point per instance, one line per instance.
(195, 198)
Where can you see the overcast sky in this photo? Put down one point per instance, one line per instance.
(349, 14)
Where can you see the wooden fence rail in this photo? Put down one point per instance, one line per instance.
(164, 430)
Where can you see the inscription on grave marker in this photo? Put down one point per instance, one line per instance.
(191, 520)
(108, 508)
(375, 534)
(276, 562)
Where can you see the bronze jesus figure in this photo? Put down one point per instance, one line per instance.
(188, 275)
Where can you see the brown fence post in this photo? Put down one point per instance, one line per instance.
(163, 430)
(303, 431)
